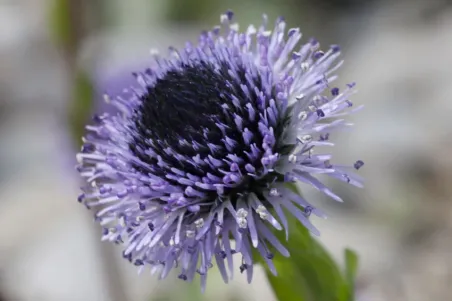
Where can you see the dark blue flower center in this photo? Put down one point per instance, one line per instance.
(190, 112)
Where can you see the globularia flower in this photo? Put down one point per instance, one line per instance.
(201, 153)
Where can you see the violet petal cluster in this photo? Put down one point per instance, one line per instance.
(194, 166)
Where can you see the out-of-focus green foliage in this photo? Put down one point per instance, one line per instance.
(310, 273)
(80, 109)
(60, 21)
(194, 11)
(62, 29)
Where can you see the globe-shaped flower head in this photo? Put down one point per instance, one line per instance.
(202, 152)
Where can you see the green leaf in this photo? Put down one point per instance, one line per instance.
(351, 269)
(310, 273)
(291, 285)
(351, 264)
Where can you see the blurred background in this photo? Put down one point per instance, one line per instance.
(57, 57)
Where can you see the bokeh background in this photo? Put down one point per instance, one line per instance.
(58, 56)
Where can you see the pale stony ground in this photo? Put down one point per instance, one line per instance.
(400, 224)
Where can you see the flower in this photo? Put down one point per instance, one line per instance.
(202, 152)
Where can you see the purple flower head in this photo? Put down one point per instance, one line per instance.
(202, 151)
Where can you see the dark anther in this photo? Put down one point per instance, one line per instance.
(270, 256)
(138, 262)
(358, 164)
(142, 206)
(335, 91)
(96, 119)
(81, 197)
(335, 48)
(88, 148)
(318, 54)
(308, 210)
(128, 256)
(320, 113)
(324, 137)
(346, 177)
(182, 277)
(119, 240)
(243, 267)
(230, 14)
(313, 41)
(151, 226)
(222, 254)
